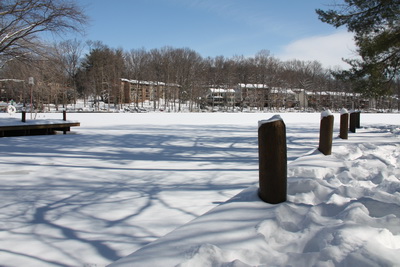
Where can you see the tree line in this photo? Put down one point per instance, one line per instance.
(72, 69)
(67, 72)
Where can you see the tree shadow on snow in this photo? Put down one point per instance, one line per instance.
(67, 204)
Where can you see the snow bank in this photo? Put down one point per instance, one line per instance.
(341, 211)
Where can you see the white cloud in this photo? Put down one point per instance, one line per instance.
(327, 49)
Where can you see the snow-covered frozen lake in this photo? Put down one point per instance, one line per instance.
(120, 181)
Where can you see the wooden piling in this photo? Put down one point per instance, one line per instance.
(23, 119)
(272, 154)
(353, 121)
(344, 124)
(326, 133)
(358, 119)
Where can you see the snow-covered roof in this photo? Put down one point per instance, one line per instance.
(149, 82)
(278, 90)
(252, 85)
(220, 90)
(332, 93)
(12, 80)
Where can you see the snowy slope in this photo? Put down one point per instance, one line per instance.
(342, 210)
(121, 181)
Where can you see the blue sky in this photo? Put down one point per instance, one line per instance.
(287, 28)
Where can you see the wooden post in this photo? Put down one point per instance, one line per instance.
(23, 119)
(353, 121)
(358, 119)
(272, 153)
(344, 124)
(326, 133)
(64, 118)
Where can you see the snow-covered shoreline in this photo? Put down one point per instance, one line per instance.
(122, 181)
(344, 212)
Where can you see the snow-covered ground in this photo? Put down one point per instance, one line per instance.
(120, 181)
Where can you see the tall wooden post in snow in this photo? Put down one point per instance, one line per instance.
(272, 155)
(353, 121)
(326, 133)
(344, 124)
(358, 119)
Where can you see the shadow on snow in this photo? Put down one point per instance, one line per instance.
(90, 172)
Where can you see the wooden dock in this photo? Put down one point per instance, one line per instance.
(35, 127)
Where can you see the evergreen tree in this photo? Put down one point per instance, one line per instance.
(376, 26)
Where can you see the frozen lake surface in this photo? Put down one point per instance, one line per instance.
(121, 181)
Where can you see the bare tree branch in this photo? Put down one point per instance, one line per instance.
(22, 20)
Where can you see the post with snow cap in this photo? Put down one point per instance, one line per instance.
(353, 121)
(358, 119)
(326, 133)
(272, 158)
(344, 124)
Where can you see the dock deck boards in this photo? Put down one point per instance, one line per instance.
(34, 127)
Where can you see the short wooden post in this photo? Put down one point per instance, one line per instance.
(358, 119)
(353, 121)
(326, 133)
(64, 119)
(23, 119)
(272, 153)
(344, 124)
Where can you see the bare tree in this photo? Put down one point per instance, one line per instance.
(137, 61)
(218, 71)
(102, 69)
(186, 62)
(22, 21)
(158, 71)
(67, 56)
